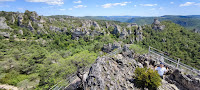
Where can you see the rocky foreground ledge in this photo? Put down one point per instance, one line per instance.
(116, 72)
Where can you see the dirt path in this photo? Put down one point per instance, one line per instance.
(8, 87)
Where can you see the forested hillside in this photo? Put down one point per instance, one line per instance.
(189, 22)
(37, 52)
(175, 40)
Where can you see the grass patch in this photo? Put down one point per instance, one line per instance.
(138, 49)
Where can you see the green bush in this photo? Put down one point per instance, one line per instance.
(147, 78)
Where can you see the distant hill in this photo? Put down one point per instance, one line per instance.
(112, 18)
(190, 22)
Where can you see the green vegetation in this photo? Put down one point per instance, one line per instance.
(40, 60)
(176, 41)
(138, 49)
(147, 78)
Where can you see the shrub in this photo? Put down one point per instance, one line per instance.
(147, 78)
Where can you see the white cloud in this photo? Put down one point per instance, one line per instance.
(150, 5)
(80, 6)
(171, 2)
(62, 9)
(135, 5)
(78, 1)
(6, 0)
(70, 9)
(187, 4)
(50, 2)
(108, 5)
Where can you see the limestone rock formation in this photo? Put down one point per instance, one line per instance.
(5, 34)
(185, 82)
(110, 47)
(30, 27)
(3, 24)
(157, 25)
(20, 32)
(55, 29)
(117, 30)
(139, 36)
(111, 74)
(20, 19)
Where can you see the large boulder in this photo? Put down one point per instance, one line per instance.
(3, 24)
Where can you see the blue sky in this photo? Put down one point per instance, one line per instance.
(104, 7)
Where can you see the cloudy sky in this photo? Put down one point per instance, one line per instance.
(104, 7)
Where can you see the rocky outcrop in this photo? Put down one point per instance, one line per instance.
(20, 32)
(111, 74)
(30, 27)
(156, 25)
(55, 29)
(123, 34)
(196, 30)
(117, 30)
(185, 82)
(5, 34)
(3, 24)
(20, 19)
(139, 36)
(110, 47)
(77, 34)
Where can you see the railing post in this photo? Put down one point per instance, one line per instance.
(178, 63)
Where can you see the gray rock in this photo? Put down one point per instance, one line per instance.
(77, 34)
(117, 30)
(20, 19)
(183, 81)
(55, 29)
(40, 25)
(157, 25)
(5, 34)
(115, 77)
(20, 32)
(3, 24)
(30, 27)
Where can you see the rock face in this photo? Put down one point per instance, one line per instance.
(117, 30)
(139, 36)
(157, 25)
(20, 19)
(30, 27)
(3, 24)
(110, 47)
(183, 81)
(111, 74)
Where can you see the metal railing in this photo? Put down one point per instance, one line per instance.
(171, 61)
